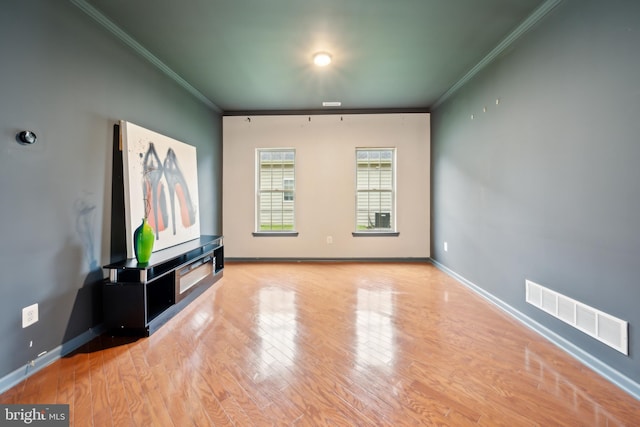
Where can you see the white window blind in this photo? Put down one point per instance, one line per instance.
(375, 189)
(275, 195)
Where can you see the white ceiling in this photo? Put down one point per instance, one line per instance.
(255, 55)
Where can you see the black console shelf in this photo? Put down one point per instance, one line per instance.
(138, 299)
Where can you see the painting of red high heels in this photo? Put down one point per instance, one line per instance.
(161, 184)
(153, 190)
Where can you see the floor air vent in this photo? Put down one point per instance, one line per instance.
(601, 326)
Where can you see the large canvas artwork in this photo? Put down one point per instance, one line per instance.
(161, 182)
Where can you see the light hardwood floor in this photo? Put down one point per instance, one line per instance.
(314, 344)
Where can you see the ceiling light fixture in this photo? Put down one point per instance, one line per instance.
(322, 59)
(331, 103)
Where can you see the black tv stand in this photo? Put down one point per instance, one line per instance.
(138, 299)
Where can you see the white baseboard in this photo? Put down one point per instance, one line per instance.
(29, 369)
(617, 378)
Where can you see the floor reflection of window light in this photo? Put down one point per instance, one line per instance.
(277, 327)
(375, 333)
(563, 388)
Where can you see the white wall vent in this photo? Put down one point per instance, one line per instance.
(601, 326)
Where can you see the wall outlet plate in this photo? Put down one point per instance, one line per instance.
(29, 315)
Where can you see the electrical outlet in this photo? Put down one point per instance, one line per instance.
(446, 246)
(329, 240)
(29, 315)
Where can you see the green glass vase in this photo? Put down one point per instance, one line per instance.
(143, 242)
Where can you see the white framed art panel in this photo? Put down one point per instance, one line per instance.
(160, 181)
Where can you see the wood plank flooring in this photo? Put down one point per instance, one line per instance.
(315, 344)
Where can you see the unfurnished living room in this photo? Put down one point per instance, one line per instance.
(314, 213)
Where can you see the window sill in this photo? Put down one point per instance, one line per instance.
(275, 234)
(375, 233)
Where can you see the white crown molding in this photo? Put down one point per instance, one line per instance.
(520, 30)
(141, 50)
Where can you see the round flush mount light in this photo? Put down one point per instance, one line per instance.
(322, 59)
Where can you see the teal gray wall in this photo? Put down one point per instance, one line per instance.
(546, 185)
(69, 80)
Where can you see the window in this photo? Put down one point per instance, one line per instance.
(275, 195)
(287, 196)
(375, 190)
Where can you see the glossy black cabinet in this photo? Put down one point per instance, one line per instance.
(138, 299)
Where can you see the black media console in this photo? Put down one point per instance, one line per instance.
(138, 299)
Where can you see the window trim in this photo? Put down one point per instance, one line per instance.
(375, 233)
(378, 232)
(275, 234)
(258, 192)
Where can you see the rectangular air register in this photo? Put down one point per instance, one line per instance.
(601, 326)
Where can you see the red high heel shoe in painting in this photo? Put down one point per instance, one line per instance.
(178, 187)
(153, 189)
